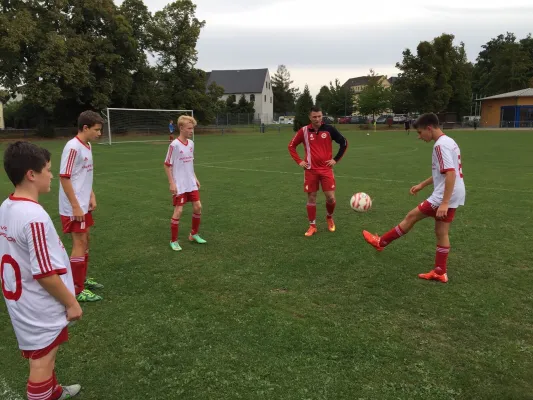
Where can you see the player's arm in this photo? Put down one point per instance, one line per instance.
(46, 269)
(296, 140)
(168, 170)
(68, 162)
(417, 188)
(92, 201)
(343, 145)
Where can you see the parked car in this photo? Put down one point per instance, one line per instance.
(344, 120)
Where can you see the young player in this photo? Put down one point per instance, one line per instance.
(77, 200)
(184, 185)
(317, 138)
(35, 273)
(171, 130)
(448, 194)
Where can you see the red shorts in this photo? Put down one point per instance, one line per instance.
(36, 354)
(430, 210)
(70, 225)
(313, 178)
(183, 198)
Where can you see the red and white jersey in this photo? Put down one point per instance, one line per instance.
(30, 249)
(180, 156)
(447, 157)
(76, 164)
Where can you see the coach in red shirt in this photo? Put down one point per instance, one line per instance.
(318, 163)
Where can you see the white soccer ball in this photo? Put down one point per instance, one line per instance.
(361, 202)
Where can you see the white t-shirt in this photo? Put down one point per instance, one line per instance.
(180, 156)
(30, 249)
(447, 157)
(76, 164)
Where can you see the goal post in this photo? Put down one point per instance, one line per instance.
(138, 125)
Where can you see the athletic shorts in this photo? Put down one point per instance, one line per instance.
(36, 354)
(70, 225)
(183, 198)
(431, 211)
(313, 178)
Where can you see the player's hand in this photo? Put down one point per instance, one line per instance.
(74, 312)
(198, 183)
(415, 189)
(442, 211)
(331, 163)
(304, 164)
(92, 203)
(173, 188)
(78, 214)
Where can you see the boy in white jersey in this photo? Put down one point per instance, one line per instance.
(35, 272)
(183, 183)
(448, 194)
(77, 200)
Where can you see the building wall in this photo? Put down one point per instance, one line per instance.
(2, 124)
(491, 109)
(266, 111)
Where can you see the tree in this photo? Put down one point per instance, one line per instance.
(284, 94)
(374, 98)
(244, 106)
(323, 98)
(402, 101)
(303, 108)
(340, 100)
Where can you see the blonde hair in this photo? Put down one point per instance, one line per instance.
(184, 119)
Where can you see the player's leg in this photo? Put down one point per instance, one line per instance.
(311, 213)
(380, 242)
(196, 218)
(331, 202)
(174, 223)
(79, 268)
(89, 283)
(442, 228)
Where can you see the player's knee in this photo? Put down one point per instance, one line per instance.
(330, 198)
(197, 209)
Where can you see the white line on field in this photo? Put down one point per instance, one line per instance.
(7, 393)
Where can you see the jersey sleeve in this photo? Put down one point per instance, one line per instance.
(445, 156)
(68, 161)
(38, 235)
(341, 140)
(296, 140)
(170, 156)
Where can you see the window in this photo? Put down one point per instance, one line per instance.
(265, 98)
(270, 99)
(266, 85)
(252, 97)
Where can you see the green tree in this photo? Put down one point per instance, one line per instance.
(402, 101)
(284, 94)
(245, 106)
(374, 98)
(303, 107)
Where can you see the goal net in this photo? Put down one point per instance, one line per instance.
(130, 125)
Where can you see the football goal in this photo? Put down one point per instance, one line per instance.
(132, 125)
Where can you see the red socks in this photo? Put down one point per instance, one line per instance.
(40, 391)
(174, 226)
(79, 270)
(311, 213)
(330, 207)
(391, 236)
(441, 257)
(195, 223)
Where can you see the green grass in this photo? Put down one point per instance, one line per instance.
(261, 312)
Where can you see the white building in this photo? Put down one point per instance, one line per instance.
(254, 84)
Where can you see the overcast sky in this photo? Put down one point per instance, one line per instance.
(319, 41)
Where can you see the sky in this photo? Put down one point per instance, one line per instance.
(320, 41)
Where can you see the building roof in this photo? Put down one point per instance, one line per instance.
(517, 93)
(392, 79)
(360, 80)
(239, 81)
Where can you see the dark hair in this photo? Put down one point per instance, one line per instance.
(89, 118)
(426, 120)
(315, 109)
(21, 157)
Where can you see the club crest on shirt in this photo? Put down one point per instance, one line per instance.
(324, 135)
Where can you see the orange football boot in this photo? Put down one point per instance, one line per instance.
(331, 224)
(433, 276)
(311, 231)
(373, 240)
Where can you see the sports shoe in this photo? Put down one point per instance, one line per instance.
(175, 246)
(373, 240)
(91, 284)
(69, 391)
(311, 231)
(196, 238)
(331, 224)
(433, 276)
(88, 296)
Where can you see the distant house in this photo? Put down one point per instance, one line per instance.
(358, 84)
(509, 110)
(254, 84)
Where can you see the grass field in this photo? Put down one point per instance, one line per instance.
(261, 312)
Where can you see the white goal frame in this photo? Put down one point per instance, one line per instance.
(109, 130)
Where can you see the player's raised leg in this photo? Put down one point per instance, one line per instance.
(330, 207)
(196, 218)
(380, 242)
(439, 273)
(174, 227)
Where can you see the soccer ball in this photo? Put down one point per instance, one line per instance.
(361, 202)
